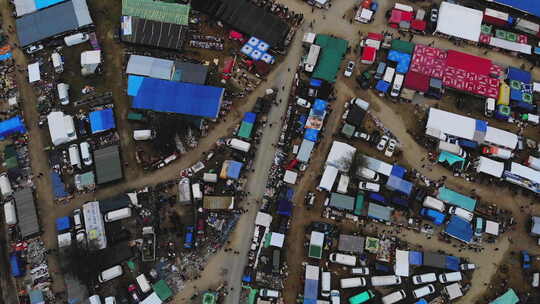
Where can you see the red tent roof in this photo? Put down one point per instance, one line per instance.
(416, 81)
(467, 62)
(375, 36)
(369, 53)
(419, 25)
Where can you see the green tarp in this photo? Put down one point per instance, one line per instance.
(157, 11)
(315, 252)
(509, 297)
(162, 290)
(348, 130)
(451, 159)
(209, 298)
(359, 205)
(332, 52)
(454, 198)
(245, 130)
(402, 46)
(10, 163)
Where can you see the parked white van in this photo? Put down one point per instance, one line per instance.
(74, 156)
(269, 293)
(389, 74)
(58, 63)
(95, 299)
(368, 174)
(424, 278)
(76, 39)
(450, 277)
(343, 259)
(536, 279)
(352, 282)
(326, 283)
(396, 87)
(117, 215)
(385, 280)
(394, 297)
(143, 134)
(111, 273)
(63, 93)
(85, 153)
(196, 190)
(70, 127)
(143, 283)
(360, 271)
(10, 213)
(433, 203)
(424, 291)
(462, 213)
(5, 185)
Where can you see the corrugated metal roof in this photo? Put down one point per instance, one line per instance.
(341, 201)
(157, 10)
(26, 212)
(351, 243)
(150, 66)
(108, 165)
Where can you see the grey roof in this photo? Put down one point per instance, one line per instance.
(351, 243)
(379, 212)
(108, 165)
(190, 72)
(23, 7)
(304, 153)
(53, 21)
(150, 66)
(153, 33)
(341, 201)
(434, 260)
(26, 212)
(535, 228)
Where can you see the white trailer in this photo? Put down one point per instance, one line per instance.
(184, 191)
(238, 144)
(343, 259)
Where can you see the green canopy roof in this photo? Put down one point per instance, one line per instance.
(509, 297)
(10, 163)
(209, 298)
(245, 130)
(332, 52)
(348, 130)
(359, 205)
(157, 11)
(454, 198)
(162, 290)
(402, 46)
(451, 159)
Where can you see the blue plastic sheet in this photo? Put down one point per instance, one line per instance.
(382, 86)
(397, 184)
(40, 4)
(11, 126)
(416, 258)
(174, 97)
(102, 120)
(481, 126)
(285, 208)
(15, 263)
(403, 60)
(5, 56)
(460, 229)
(63, 223)
(233, 169)
(315, 82)
(59, 188)
(319, 106)
(398, 171)
(311, 135)
(250, 117)
(519, 75)
(516, 95)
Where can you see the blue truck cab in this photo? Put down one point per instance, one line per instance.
(435, 216)
(188, 237)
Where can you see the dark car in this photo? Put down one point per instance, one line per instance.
(132, 290)
(420, 194)
(364, 80)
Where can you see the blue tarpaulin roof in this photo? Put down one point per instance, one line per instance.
(16, 270)
(45, 3)
(529, 6)
(459, 228)
(451, 159)
(250, 117)
(319, 106)
(377, 197)
(10, 126)
(403, 60)
(481, 126)
(524, 105)
(311, 291)
(6, 56)
(382, 86)
(36, 296)
(454, 198)
(315, 82)
(233, 169)
(467, 143)
(416, 258)
(59, 188)
(395, 183)
(311, 135)
(285, 208)
(290, 193)
(452, 263)
(63, 223)
(102, 120)
(174, 97)
(516, 95)
(519, 75)
(398, 171)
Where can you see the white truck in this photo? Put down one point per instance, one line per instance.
(396, 86)
(312, 57)
(385, 280)
(498, 152)
(452, 148)
(343, 259)
(389, 74)
(184, 191)
(433, 203)
(238, 144)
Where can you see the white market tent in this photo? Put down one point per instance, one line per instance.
(490, 166)
(305, 151)
(453, 291)
(451, 124)
(263, 219)
(459, 21)
(536, 87)
(150, 66)
(492, 227)
(328, 178)
(152, 299)
(277, 239)
(535, 227)
(290, 177)
(64, 239)
(58, 128)
(340, 156)
(33, 72)
(402, 263)
(511, 45)
(378, 166)
(525, 172)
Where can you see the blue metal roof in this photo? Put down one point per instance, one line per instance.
(250, 117)
(10, 126)
(519, 74)
(397, 184)
(63, 223)
(174, 97)
(460, 229)
(59, 188)
(102, 120)
(311, 135)
(398, 171)
(529, 6)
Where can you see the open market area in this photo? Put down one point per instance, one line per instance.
(270, 151)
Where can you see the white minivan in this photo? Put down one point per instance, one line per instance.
(326, 283)
(117, 215)
(5, 185)
(424, 278)
(352, 282)
(76, 39)
(462, 213)
(396, 87)
(9, 213)
(85, 152)
(111, 273)
(63, 93)
(368, 174)
(58, 63)
(143, 283)
(394, 297)
(433, 203)
(95, 299)
(269, 293)
(423, 291)
(74, 156)
(385, 280)
(450, 277)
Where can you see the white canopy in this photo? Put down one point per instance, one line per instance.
(150, 66)
(263, 219)
(277, 239)
(290, 177)
(459, 21)
(492, 227)
(454, 291)
(328, 178)
(64, 239)
(501, 138)
(511, 45)
(317, 238)
(402, 263)
(90, 57)
(340, 156)
(33, 72)
(490, 166)
(152, 299)
(525, 172)
(536, 87)
(451, 124)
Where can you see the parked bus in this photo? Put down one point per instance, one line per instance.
(362, 297)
